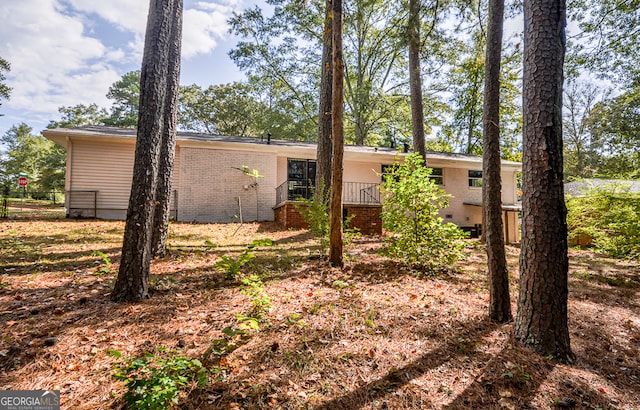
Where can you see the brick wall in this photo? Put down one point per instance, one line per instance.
(288, 216)
(211, 181)
(364, 217)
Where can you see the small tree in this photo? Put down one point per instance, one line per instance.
(314, 212)
(410, 210)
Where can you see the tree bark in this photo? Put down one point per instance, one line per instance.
(324, 150)
(132, 283)
(415, 80)
(541, 322)
(168, 149)
(499, 301)
(337, 114)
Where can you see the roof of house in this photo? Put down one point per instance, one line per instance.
(130, 133)
(578, 188)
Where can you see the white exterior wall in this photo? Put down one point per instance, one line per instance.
(358, 171)
(209, 182)
(281, 171)
(104, 167)
(212, 181)
(456, 183)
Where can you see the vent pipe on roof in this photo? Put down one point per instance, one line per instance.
(405, 147)
(268, 138)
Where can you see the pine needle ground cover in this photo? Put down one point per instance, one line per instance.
(285, 331)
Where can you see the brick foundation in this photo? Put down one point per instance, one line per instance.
(366, 218)
(288, 216)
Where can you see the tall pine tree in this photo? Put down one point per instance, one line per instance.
(541, 321)
(132, 283)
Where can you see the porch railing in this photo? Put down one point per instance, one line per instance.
(360, 193)
(352, 192)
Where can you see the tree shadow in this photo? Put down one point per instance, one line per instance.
(510, 379)
(19, 265)
(396, 378)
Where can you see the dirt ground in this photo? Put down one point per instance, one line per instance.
(374, 335)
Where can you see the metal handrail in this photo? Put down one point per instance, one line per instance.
(352, 192)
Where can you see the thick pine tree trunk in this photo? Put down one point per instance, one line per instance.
(499, 302)
(335, 214)
(324, 151)
(132, 283)
(415, 80)
(541, 321)
(168, 149)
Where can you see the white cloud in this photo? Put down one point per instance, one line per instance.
(53, 62)
(204, 22)
(203, 27)
(127, 15)
(58, 59)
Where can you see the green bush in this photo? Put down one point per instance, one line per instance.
(315, 212)
(154, 381)
(410, 210)
(230, 266)
(609, 220)
(253, 287)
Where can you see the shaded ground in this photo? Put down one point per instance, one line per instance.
(30, 208)
(372, 336)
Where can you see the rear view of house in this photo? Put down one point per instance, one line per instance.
(228, 179)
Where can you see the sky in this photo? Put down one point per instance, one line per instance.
(69, 52)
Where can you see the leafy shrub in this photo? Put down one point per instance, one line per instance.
(231, 340)
(105, 263)
(253, 287)
(315, 212)
(410, 213)
(231, 266)
(154, 381)
(609, 220)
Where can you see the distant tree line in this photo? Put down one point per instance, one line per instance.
(280, 54)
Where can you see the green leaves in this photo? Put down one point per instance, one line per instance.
(154, 380)
(610, 221)
(231, 266)
(5, 91)
(410, 212)
(125, 94)
(39, 158)
(226, 109)
(314, 212)
(609, 37)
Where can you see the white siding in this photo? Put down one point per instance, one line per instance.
(103, 167)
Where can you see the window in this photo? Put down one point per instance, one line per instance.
(475, 179)
(386, 171)
(301, 177)
(437, 176)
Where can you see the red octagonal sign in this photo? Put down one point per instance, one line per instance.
(22, 181)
